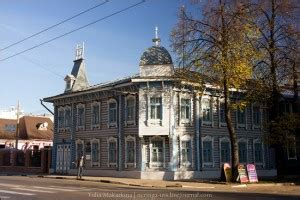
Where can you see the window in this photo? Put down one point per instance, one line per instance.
(258, 152)
(256, 115)
(207, 151)
(130, 109)
(10, 128)
(96, 115)
(155, 108)
(157, 152)
(222, 113)
(186, 153)
(68, 117)
(206, 110)
(291, 148)
(185, 109)
(112, 109)
(61, 118)
(95, 153)
(87, 149)
(80, 116)
(79, 149)
(112, 151)
(130, 151)
(225, 150)
(242, 145)
(241, 115)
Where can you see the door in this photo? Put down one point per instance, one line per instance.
(63, 158)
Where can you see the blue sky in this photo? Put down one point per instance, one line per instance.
(112, 47)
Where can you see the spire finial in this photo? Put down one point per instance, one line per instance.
(156, 39)
(79, 51)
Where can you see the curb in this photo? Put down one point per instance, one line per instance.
(176, 185)
(112, 182)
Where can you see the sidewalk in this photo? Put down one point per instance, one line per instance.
(167, 184)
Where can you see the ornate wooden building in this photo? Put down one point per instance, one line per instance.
(151, 125)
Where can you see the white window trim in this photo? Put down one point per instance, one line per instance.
(224, 139)
(130, 122)
(212, 163)
(247, 151)
(112, 124)
(210, 99)
(186, 138)
(112, 139)
(77, 118)
(95, 126)
(67, 128)
(220, 101)
(257, 141)
(190, 120)
(61, 129)
(295, 148)
(243, 126)
(93, 164)
(79, 141)
(252, 113)
(130, 138)
(155, 121)
(152, 164)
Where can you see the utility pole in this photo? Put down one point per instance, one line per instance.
(17, 128)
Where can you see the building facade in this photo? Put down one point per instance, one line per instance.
(35, 132)
(151, 125)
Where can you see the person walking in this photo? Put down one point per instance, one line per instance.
(80, 163)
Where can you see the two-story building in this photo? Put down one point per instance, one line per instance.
(152, 125)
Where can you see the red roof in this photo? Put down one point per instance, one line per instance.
(31, 127)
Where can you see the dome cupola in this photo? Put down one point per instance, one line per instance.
(156, 60)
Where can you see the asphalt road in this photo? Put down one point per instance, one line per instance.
(27, 188)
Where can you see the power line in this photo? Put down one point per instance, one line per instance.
(50, 27)
(41, 66)
(74, 30)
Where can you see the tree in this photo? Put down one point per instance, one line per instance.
(278, 43)
(218, 44)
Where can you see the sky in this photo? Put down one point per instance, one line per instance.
(113, 47)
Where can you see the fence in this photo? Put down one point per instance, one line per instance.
(29, 161)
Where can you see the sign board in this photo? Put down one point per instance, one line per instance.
(243, 178)
(252, 173)
(88, 157)
(227, 172)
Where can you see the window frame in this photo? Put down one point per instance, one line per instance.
(109, 140)
(80, 127)
(224, 139)
(61, 122)
(220, 103)
(254, 125)
(258, 141)
(211, 140)
(130, 121)
(95, 125)
(238, 111)
(67, 128)
(151, 121)
(208, 100)
(293, 139)
(114, 123)
(243, 140)
(186, 121)
(95, 164)
(132, 139)
(188, 164)
(157, 164)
